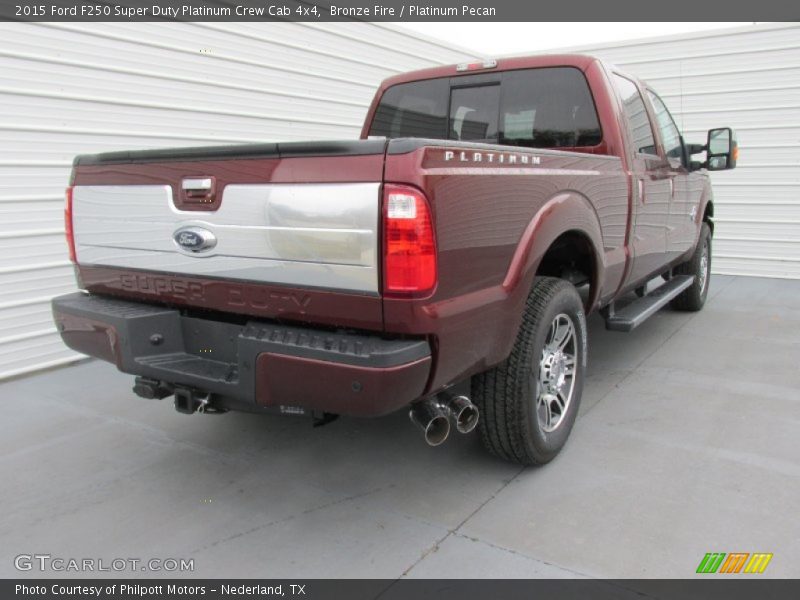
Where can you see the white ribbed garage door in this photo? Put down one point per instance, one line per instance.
(749, 79)
(67, 89)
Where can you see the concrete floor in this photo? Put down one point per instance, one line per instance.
(689, 442)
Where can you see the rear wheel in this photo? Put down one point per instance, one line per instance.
(694, 297)
(529, 402)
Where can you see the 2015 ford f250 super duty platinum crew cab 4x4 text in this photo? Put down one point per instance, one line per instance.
(443, 264)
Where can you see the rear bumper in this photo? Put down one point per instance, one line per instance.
(260, 363)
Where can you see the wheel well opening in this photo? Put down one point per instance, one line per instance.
(570, 257)
(708, 216)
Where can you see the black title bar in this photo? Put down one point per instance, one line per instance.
(395, 10)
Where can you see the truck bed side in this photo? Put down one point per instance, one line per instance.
(495, 217)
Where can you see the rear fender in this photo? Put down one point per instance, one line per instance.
(476, 331)
(565, 212)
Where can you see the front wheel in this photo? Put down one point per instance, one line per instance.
(529, 402)
(694, 297)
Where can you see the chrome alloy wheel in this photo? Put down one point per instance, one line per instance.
(556, 375)
(703, 274)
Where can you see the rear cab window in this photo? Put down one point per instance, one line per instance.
(473, 113)
(548, 107)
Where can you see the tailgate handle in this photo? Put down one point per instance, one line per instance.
(194, 185)
(198, 189)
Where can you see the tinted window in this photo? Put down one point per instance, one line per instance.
(548, 108)
(635, 113)
(542, 108)
(473, 113)
(417, 109)
(669, 131)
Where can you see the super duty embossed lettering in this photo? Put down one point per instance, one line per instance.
(263, 298)
(161, 286)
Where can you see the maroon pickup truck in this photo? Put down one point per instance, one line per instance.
(442, 264)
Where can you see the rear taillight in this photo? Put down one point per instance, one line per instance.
(409, 243)
(68, 225)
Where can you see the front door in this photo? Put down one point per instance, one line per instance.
(681, 223)
(650, 186)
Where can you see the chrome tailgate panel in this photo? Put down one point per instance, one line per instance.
(304, 235)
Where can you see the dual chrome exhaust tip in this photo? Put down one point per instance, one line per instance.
(433, 415)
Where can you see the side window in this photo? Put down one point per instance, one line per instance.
(636, 114)
(669, 131)
(473, 113)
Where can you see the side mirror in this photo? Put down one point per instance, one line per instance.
(722, 151)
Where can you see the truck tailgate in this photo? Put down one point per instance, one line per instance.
(320, 235)
(295, 216)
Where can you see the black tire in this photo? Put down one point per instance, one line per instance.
(694, 297)
(509, 396)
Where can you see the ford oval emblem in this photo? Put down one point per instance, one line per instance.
(194, 239)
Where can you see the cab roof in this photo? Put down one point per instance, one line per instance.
(579, 61)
